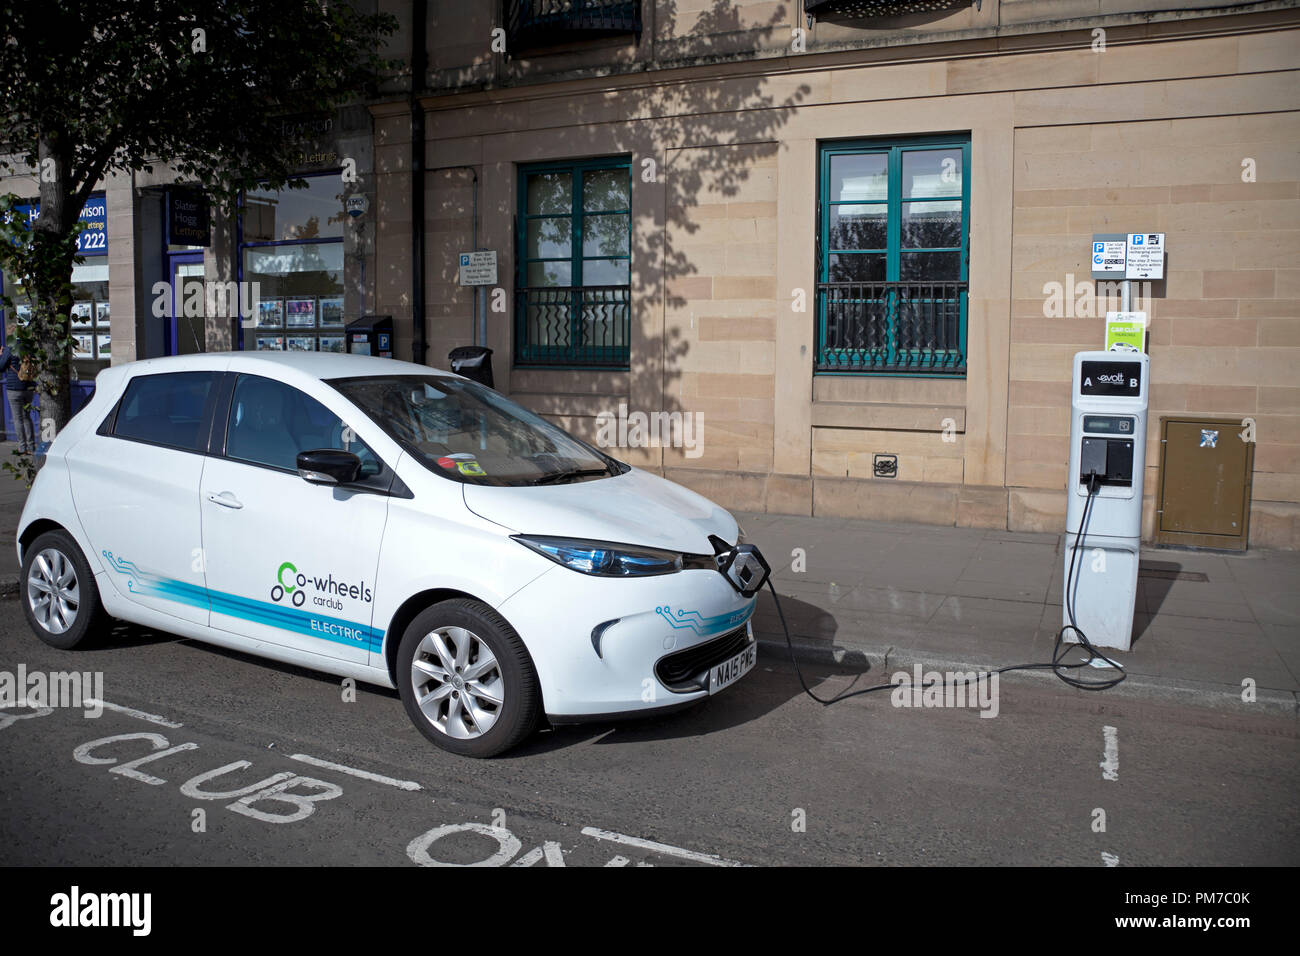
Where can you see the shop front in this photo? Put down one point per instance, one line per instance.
(291, 245)
(188, 234)
(90, 306)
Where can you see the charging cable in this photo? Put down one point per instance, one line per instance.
(1058, 664)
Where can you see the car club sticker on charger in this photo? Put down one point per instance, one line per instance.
(462, 462)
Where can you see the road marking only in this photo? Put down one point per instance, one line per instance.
(654, 847)
(1110, 763)
(281, 788)
(353, 771)
(138, 714)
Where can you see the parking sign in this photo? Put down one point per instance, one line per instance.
(478, 268)
(1145, 256)
(1108, 255)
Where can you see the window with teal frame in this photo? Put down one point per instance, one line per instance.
(573, 273)
(892, 257)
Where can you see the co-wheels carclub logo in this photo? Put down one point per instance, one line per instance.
(292, 585)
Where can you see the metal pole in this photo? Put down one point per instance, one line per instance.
(480, 294)
(419, 63)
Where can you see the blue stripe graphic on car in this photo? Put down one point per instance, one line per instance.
(705, 625)
(332, 629)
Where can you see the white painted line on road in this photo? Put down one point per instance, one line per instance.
(138, 714)
(1110, 765)
(664, 848)
(550, 852)
(1110, 859)
(363, 774)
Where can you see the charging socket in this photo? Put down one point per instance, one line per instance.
(1111, 459)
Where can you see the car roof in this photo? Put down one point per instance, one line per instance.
(321, 365)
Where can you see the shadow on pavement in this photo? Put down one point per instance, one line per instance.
(1155, 581)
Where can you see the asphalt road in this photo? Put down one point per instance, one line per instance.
(759, 775)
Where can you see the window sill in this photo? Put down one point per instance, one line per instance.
(889, 390)
(888, 416)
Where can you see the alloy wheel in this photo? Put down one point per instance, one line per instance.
(458, 683)
(53, 591)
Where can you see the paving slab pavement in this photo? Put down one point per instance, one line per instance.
(887, 596)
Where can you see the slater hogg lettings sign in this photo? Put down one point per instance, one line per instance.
(91, 241)
(187, 217)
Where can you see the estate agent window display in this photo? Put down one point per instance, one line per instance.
(291, 244)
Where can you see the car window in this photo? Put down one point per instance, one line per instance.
(469, 433)
(270, 423)
(166, 409)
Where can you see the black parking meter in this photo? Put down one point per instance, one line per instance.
(371, 335)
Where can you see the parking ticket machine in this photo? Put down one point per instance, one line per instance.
(1108, 427)
(371, 335)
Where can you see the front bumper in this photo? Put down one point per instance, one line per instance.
(688, 670)
(626, 646)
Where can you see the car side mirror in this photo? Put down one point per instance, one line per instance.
(328, 466)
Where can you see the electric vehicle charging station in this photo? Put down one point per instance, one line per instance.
(1108, 427)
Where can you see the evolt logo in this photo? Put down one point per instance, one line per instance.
(293, 584)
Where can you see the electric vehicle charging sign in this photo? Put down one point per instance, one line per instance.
(1145, 256)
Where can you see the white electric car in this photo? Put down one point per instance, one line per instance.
(393, 523)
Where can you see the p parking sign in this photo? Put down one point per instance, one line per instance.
(1108, 256)
(1145, 256)
(478, 268)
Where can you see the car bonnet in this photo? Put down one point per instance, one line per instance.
(633, 508)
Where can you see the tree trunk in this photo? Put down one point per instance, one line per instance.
(52, 285)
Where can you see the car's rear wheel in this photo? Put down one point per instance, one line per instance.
(59, 595)
(466, 679)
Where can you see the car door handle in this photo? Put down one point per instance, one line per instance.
(226, 499)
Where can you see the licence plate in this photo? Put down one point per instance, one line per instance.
(733, 669)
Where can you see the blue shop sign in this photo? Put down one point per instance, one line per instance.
(91, 241)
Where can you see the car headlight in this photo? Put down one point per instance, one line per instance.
(604, 558)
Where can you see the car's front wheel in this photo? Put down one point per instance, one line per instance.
(466, 679)
(59, 595)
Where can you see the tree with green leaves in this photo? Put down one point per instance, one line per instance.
(201, 86)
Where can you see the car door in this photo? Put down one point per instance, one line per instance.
(135, 485)
(290, 562)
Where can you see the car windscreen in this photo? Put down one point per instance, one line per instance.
(469, 433)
